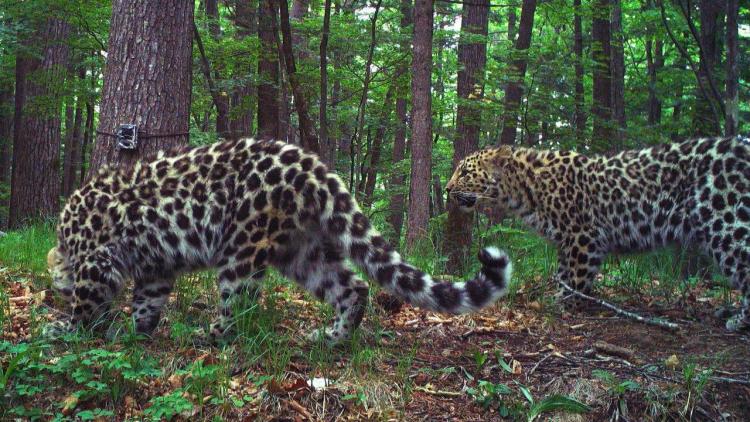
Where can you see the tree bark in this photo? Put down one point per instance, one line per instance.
(705, 122)
(654, 63)
(242, 100)
(421, 141)
(221, 99)
(514, 89)
(269, 125)
(618, 69)
(732, 75)
(6, 141)
(580, 102)
(377, 144)
(602, 95)
(472, 58)
(147, 79)
(88, 135)
(323, 102)
(35, 180)
(72, 150)
(309, 139)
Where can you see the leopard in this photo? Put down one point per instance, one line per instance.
(694, 193)
(237, 207)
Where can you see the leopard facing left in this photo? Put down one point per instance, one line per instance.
(237, 206)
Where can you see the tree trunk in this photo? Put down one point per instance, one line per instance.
(377, 144)
(618, 69)
(654, 62)
(6, 140)
(144, 88)
(242, 101)
(35, 180)
(602, 95)
(512, 24)
(472, 57)
(72, 150)
(308, 138)
(580, 101)
(269, 125)
(221, 99)
(514, 89)
(732, 82)
(323, 102)
(88, 135)
(705, 122)
(421, 141)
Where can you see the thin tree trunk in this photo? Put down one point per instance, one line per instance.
(150, 91)
(72, 143)
(602, 95)
(221, 100)
(269, 125)
(514, 89)
(732, 82)
(706, 123)
(654, 62)
(88, 135)
(580, 102)
(618, 69)
(437, 196)
(243, 102)
(472, 58)
(421, 141)
(309, 139)
(6, 141)
(377, 144)
(396, 209)
(323, 102)
(35, 180)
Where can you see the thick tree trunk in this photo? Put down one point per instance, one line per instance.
(221, 99)
(514, 89)
(580, 101)
(142, 87)
(309, 139)
(35, 181)
(602, 95)
(732, 77)
(269, 125)
(472, 57)
(618, 69)
(421, 141)
(242, 101)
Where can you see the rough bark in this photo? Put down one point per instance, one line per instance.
(602, 91)
(472, 57)
(514, 88)
(309, 139)
(147, 79)
(732, 75)
(421, 140)
(580, 102)
(35, 180)
(323, 102)
(618, 68)
(269, 125)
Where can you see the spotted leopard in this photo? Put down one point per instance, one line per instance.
(696, 192)
(237, 206)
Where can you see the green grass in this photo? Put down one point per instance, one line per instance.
(27, 248)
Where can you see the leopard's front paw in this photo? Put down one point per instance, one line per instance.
(326, 335)
(56, 329)
(738, 323)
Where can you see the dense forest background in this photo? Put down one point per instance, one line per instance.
(391, 94)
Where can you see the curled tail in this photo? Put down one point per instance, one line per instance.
(343, 221)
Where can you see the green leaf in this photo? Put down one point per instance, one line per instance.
(557, 402)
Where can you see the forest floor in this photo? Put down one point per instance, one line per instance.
(513, 361)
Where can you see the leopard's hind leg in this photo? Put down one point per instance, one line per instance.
(149, 297)
(734, 259)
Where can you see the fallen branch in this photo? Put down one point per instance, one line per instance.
(440, 392)
(613, 350)
(649, 321)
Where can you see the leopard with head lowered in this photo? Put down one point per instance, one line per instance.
(692, 193)
(237, 206)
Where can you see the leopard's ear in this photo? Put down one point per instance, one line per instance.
(499, 156)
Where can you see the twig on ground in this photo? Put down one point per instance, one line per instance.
(730, 380)
(537, 365)
(440, 392)
(649, 321)
(613, 350)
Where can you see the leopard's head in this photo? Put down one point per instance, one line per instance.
(476, 179)
(62, 277)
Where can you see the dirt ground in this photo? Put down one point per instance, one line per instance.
(430, 363)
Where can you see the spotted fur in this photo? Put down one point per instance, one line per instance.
(238, 207)
(695, 192)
